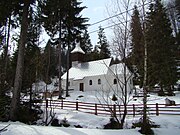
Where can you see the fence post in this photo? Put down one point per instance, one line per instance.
(157, 109)
(114, 110)
(133, 110)
(46, 111)
(50, 102)
(95, 109)
(62, 104)
(46, 103)
(119, 109)
(77, 106)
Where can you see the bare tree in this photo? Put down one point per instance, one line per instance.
(145, 128)
(173, 16)
(118, 94)
(121, 44)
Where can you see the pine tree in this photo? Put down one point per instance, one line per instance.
(49, 59)
(160, 42)
(75, 25)
(66, 13)
(103, 44)
(95, 54)
(137, 54)
(20, 63)
(66, 21)
(85, 42)
(4, 99)
(32, 51)
(86, 45)
(177, 5)
(7, 10)
(53, 12)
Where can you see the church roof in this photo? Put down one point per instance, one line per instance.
(118, 69)
(77, 49)
(92, 68)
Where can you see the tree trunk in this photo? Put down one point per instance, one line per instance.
(170, 90)
(161, 91)
(67, 77)
(20, 63)
(6, 48)
(145, 128)
(124, 116)
(60, 63)
(30, 98)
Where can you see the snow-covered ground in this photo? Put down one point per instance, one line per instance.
(93, 124)
(170, 125)
(22, 129)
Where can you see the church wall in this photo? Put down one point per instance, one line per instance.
(107, 83)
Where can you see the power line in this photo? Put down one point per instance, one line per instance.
(119, 22)
(109, 26)
(116, 15)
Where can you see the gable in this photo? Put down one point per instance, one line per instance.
(118, 69)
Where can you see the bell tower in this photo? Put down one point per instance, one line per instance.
(77, 55)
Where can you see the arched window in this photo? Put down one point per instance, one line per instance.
(99, 81)
(115, 81)
(90, 82)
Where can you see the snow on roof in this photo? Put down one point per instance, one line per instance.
(77, 49)
(118, 68)
(92, 68)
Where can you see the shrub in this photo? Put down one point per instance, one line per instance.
(65, 123)
(150, 125)
(28, 115)
(55, 122)
(4, 108)
(112, 124)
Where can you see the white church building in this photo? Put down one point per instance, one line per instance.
(96, 75)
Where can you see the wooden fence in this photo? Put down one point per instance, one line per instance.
(105, 109)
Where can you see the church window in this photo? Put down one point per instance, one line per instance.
(99, 81)
(115, 81)
(90, 82)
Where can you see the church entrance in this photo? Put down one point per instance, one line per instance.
(81, 86)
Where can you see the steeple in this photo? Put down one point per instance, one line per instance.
(77, 55)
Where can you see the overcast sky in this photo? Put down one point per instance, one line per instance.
(95, 11)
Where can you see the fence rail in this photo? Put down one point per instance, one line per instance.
(105, 109)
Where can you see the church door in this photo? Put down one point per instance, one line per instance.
(81, 86)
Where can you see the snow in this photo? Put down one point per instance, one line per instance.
(93, 124)
(170, 125)
(40, 86)
(82, 119)
(77, 49)
(22, 129)
(118, 69)
(92, 68)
